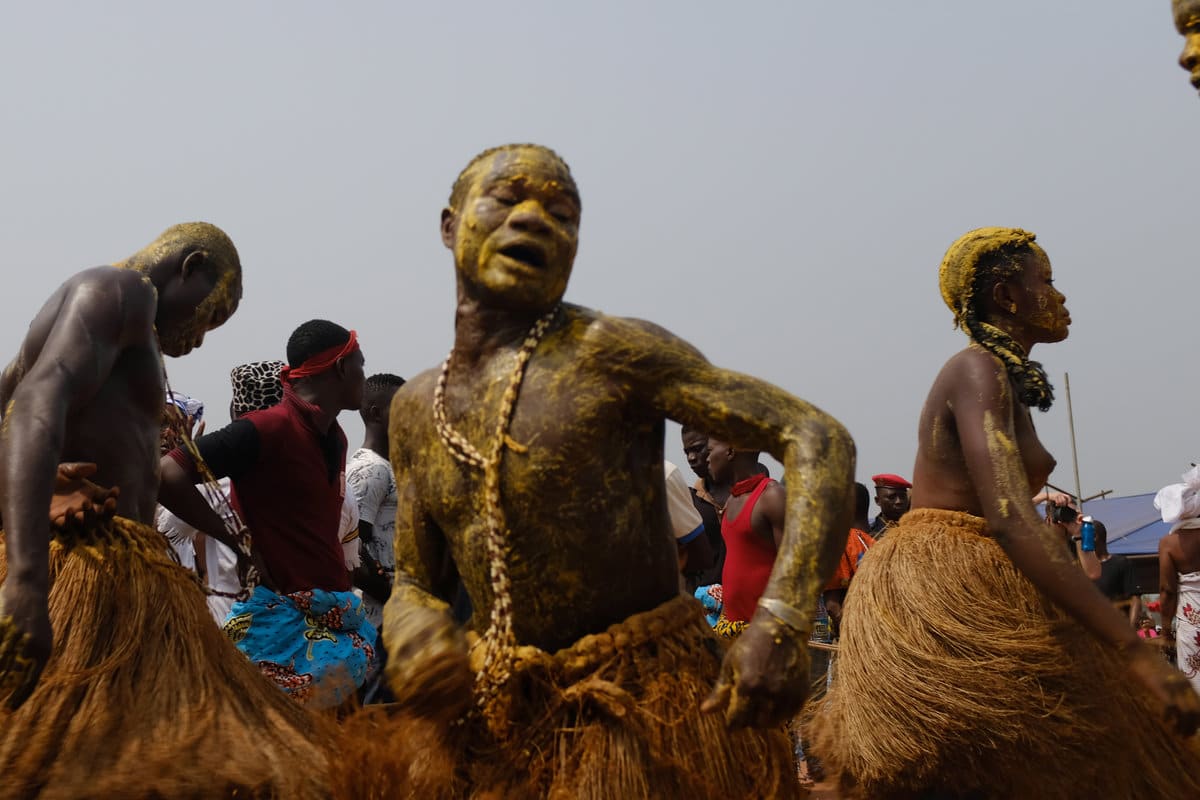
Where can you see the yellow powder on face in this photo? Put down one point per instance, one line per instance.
(1187, 15)
(218, 248)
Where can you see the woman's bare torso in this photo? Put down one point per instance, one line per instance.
(940, 477)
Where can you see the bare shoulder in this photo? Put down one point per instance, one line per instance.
(971, 370)
(1169, 545)
(775, 494)
(416, 393)
(975, 362)
(120, 294)
(629, 337)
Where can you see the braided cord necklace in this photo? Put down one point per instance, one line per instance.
(498, 639)
(229, 515)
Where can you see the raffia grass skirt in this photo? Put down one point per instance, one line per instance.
(143, 696)
(957, 678)
(616, 715)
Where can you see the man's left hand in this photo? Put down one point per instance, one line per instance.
(764, 678)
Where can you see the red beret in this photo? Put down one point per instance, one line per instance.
(891, 481)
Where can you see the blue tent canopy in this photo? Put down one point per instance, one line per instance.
(1134, 524)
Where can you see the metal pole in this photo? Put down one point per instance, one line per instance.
(1074, 453)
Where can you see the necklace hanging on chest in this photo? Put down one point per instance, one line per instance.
(498, 640)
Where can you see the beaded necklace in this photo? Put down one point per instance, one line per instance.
(498, 639)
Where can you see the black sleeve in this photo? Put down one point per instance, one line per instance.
(231, 451)
(1129, 585)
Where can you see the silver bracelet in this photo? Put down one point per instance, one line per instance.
(786, 614)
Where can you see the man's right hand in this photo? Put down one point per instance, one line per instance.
(26, 640)
(255, 559)
(77, 504)
(428, 667)
(1180, 703)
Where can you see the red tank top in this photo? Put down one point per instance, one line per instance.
(749, 558)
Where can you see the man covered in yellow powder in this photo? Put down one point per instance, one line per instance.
(1187, 22)
(113, 680)
(531, 466)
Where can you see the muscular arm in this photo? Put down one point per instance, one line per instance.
(427, 668)
(983, 412)
(94, 324)
(769, 514)
(816, 451)
(763, 676)
(228, 452)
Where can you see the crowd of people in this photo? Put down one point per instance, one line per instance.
(508, 571)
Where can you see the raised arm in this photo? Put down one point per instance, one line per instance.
(765, 673)
(92, 327)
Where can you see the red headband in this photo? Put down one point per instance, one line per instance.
(320, 362)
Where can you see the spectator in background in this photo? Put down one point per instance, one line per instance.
(752, 527)
(1179, 572)
(371, 482)
(371, 485)
(302, 625)
(857, 544)
(1116, 581)
(709, 497)
(892, 497)
(687, 525)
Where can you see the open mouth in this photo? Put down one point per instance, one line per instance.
(527, 254)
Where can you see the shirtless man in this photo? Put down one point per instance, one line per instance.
(87, 386)
(1187, 22)
(543, 489)
(1179, 571)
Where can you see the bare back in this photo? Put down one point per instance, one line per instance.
(1183, 550)
(94, 341)
(941, 478)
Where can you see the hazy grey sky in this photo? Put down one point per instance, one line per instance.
(774, 181)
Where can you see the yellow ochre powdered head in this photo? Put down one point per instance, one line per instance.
(976, 260)
(958, 276)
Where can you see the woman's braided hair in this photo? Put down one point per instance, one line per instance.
(977, 261)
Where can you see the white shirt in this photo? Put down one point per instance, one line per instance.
(369, 478)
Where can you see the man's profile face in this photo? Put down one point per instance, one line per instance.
(695, 447)
(188, 308)
(515, 236)
(1187, 22)
(893, 501)
(720, 461)
(354, 380)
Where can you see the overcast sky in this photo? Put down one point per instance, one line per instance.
(774, 181)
